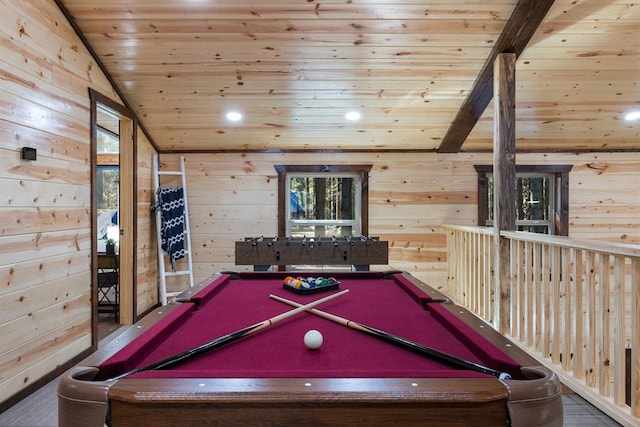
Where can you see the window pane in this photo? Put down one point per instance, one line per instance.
(533, 198)
(313, 230)
(544, 229)
(108, 187)
(323, 198)
(108, 143)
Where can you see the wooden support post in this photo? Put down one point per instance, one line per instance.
(504, 179)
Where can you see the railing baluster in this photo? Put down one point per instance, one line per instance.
(518, 291)
(618, 347)
(524, 306)
(536, 296)
(474, 273)
(513, 276)
(468, 295)
(578, 320)
(486, 283)
(555, 301)
(567, 334)
(605, 331)
(591, 333)
(545, 283)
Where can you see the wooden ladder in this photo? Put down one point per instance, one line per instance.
(162, 254)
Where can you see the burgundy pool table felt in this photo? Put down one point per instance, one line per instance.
(396, 306)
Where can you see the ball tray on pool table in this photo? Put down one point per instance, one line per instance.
(333, 284)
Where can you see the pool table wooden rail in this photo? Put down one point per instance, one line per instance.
(300, 401)
(283, 401)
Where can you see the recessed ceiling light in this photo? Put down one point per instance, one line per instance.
(234, 116)
(353, 116)
(634, 115)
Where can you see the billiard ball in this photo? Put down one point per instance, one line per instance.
(313, 339)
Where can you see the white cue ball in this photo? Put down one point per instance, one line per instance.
(313, 339)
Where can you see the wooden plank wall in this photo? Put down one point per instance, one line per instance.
(147, 255)
(235, 195)
(45, 205)
(605, 198)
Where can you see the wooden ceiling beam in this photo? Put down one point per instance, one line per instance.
(521, 26)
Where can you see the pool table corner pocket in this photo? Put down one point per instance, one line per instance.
(537, 400)
(82, 402)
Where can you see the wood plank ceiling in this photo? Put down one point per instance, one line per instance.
(294, 68)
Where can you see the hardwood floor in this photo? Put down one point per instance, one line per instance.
(107, 324)
(580, 413)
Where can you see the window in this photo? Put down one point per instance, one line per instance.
(323, 206)
(535, 203)
(108, 187)
(322, 201)
(107, 177)
(108, 141)
(542, 198)
(108, 170)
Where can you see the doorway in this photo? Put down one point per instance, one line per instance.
(108, 224)
(113, 215)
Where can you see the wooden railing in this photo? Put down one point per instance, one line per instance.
(573, 304)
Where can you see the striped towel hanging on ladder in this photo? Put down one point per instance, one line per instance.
(171, 205)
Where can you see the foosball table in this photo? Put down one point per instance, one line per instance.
(265, 252)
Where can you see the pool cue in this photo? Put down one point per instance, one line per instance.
(402, 342)
(226, 339)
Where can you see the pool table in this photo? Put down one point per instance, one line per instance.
(271, 378)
